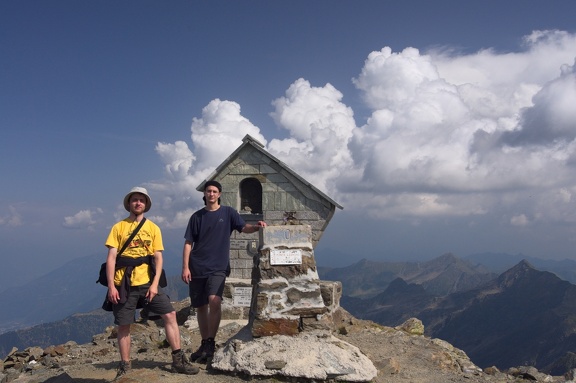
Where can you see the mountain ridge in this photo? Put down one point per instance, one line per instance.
(439, 300)
(525, 314)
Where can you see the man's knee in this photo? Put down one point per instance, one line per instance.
(169, 317)
(214, 301)
(123, 330)
(214, 298)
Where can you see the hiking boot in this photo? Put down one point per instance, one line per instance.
(181, 365)
(123, 369)
(198, 353)
(208, 351)
(210, 347)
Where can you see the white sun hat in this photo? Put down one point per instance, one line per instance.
(140, 190)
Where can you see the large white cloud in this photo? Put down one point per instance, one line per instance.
(450, 134)
(320, 127)
(453, 134)
(214, 136)
(219, 132)
(177, 157)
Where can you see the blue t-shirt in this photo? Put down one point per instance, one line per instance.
(209, 232)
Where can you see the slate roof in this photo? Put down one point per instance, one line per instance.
(251, 141)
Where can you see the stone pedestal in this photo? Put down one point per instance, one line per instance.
(292, 317)
(288, 296)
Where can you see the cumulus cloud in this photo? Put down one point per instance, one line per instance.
(214, 136)
(463, 131)
(320, 127)
(449, 134)
(177, 157)
(82, 219)
(519, 220)
(551, 117)
(12, 219)
(219, 132)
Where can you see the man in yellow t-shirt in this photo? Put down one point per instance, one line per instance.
(148, 241)
(142, 289)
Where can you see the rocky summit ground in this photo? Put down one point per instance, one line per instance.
(401, 355)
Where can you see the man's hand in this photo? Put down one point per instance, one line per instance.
(113, 294)
(152, 292)
(186, 276)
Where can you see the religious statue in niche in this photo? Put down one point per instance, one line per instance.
(290, 218)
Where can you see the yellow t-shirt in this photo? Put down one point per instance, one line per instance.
(147, 241)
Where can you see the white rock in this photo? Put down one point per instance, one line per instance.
(311, 355)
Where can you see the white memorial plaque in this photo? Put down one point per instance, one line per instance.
(286, 257)
(242, 296)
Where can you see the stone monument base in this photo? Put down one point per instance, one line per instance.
(309, 355)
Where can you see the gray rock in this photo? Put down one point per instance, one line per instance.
(310, 355)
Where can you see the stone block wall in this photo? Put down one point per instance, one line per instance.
(288, 296)
(286, 200)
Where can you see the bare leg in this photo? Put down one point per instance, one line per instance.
(214, 316)
(172, 330)
(124, 342)
(202, 317)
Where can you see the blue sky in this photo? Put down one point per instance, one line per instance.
(440, 126)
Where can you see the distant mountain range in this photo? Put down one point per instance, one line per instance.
(72, 289)
(515, 316)
(77, 327)
(67, 290)
(524, 316)
(440, 276)
(64, 305)
(500, 262)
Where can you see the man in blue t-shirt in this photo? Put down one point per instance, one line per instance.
(206, 262)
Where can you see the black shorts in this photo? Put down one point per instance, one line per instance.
(124, 313)
(201, 288)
